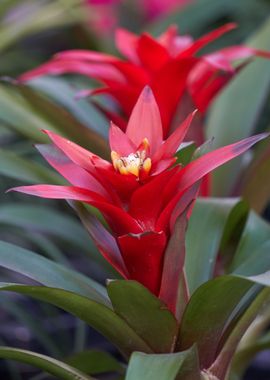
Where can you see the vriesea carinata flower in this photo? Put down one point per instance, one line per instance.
(141, 192)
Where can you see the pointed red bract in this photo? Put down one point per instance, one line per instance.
(126, 43)
(120, 142)
(207, 38)
(145, 115)
(171, 145)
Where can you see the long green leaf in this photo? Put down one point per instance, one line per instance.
(145, 313)
(211, 308)
(63, 93)
(63, 122)
(100, 317)
(207, 313)
(231, 120)
(204, 233)
(55, 367)
(39, 218)
(252, 254)
(15, 112)
(48, 272)
(14, 166)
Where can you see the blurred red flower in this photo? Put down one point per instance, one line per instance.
(180, 80)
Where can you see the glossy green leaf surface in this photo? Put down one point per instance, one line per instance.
(180, 366)
(252, 254)
(210, 309)
(48, 272)
(63, 93)
(39, 218)
(204, 233)
(145, 313)
(63, 122)
(207, 314)
(15, 112)
(100, 317)
(14, 166)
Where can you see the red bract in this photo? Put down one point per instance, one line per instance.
(169, 64)
(140, 193)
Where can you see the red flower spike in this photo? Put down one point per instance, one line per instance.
(169, 64)
(143, 256)
(139, 194)
(120, 142)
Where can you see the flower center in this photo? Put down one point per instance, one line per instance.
(135, 163)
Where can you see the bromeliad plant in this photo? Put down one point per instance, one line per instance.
(140, 193)
(146, 198)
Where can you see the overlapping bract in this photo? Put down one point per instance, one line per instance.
(140, 207)
(180, 80)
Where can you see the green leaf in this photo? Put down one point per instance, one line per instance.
(63, 122)
(181, 365)
(252, 253)
(100, 317)
(48, 272)
(230, 120)
(204, 233)
(55, 367)
(14, 166)
(211, 308)
(94, 362)
(39, 218)
(16, 113)
(207, 314)
(63, 93)
(145, 313)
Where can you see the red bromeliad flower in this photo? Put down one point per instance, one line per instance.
(141, 193)
(168, 64)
